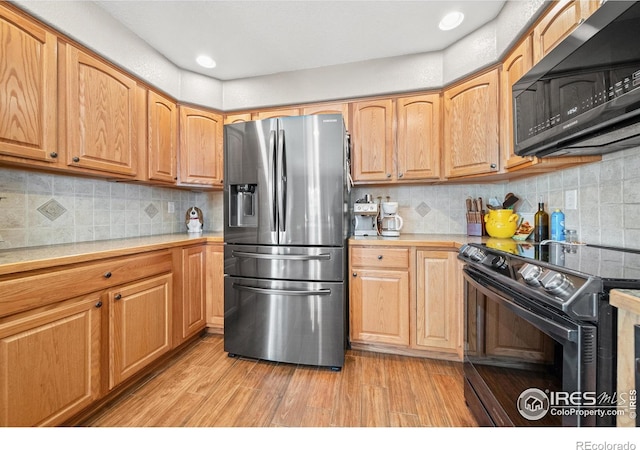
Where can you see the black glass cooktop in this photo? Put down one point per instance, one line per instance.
(608, 263)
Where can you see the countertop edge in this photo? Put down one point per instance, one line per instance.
(83, 252)
(626, 299)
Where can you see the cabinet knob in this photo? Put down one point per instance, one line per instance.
(75, 159)
(107, 275)
(98, 305)
(379, 256)
(53, 154)
(354, 274)
(388, 175)
(493, 165)
(117, 296)
(400, 175)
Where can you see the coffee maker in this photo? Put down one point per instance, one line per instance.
(391, 222)
(365, 216)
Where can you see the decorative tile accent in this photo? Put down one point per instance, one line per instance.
(151, 210)
(52, 210)
(423, 209)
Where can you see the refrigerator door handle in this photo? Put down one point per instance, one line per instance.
(272, 180)
(281, 291)
(281, 171)
(321, 256)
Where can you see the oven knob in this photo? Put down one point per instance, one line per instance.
(476, 254)
(557, 284)
(499, 262)
(530, 274)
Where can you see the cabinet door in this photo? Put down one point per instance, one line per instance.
(516, 64)
(162, 116)
(215, 287)
(471, 135)
(139, 326)
(379, 306)
(439, 301)
(200, 147)
(237, 118)
(28, 89)
(103, 117)
(372, 140)
(50, 366)
(260, 115)
(194, 281)
(331, 108)
(418, 137)
(557, 23)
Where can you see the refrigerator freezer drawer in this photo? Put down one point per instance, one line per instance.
(284, 263)
(286, 321)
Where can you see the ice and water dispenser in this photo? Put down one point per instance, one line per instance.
(243, 205)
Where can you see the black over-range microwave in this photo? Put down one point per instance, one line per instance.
(583, 97)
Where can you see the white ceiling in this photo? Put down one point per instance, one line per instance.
(253, 38)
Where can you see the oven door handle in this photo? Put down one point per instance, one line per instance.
(555, 329)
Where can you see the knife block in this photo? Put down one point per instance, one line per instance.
(475, 224)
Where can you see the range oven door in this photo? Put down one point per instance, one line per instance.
(517, 352)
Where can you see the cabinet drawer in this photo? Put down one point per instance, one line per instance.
(41, 288)
(377, 257)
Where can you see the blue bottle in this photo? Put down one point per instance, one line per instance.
(557, 226)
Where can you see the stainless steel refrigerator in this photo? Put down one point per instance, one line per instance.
(286, 222)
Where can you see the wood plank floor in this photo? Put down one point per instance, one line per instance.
(205, 388)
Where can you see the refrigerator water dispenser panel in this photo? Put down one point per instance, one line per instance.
(243, 205)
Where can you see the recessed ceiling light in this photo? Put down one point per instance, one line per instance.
(206, 61)
(451, 20)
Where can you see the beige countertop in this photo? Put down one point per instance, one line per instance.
(420, 240)
(30, 258)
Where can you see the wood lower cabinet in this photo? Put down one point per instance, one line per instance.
(139, 325)
(190, 307)
(471, 127)
(104, 118)
(28, 89)
(379, 296)
(215, 287)
(50, 363)
(439, 302)
(201, 147)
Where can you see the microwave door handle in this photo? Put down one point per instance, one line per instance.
(290, 292)
(550, 327)
(272, 181)
(281, 170)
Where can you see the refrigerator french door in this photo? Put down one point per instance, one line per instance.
(286, 224)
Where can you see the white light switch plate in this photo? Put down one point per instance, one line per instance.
(571, 199)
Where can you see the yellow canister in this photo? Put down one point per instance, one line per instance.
(501, 223)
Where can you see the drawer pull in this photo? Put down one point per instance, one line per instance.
(379, 256)
(117, 296)
(98, 305)
(354, 274)
(107, 275)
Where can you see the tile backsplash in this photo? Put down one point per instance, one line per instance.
(607, 192)
(42, 209)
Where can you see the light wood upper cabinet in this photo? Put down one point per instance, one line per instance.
(372, 140)
(50, 363)
(418, 137)
(515, 65)
(272, 114)
(329, 108)
(139, 325)
(162, 121)
(439, 298)
(471, 131)
(201, 147)
(558, 22)
(28, 89)
(102, 119)
(237, 118)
